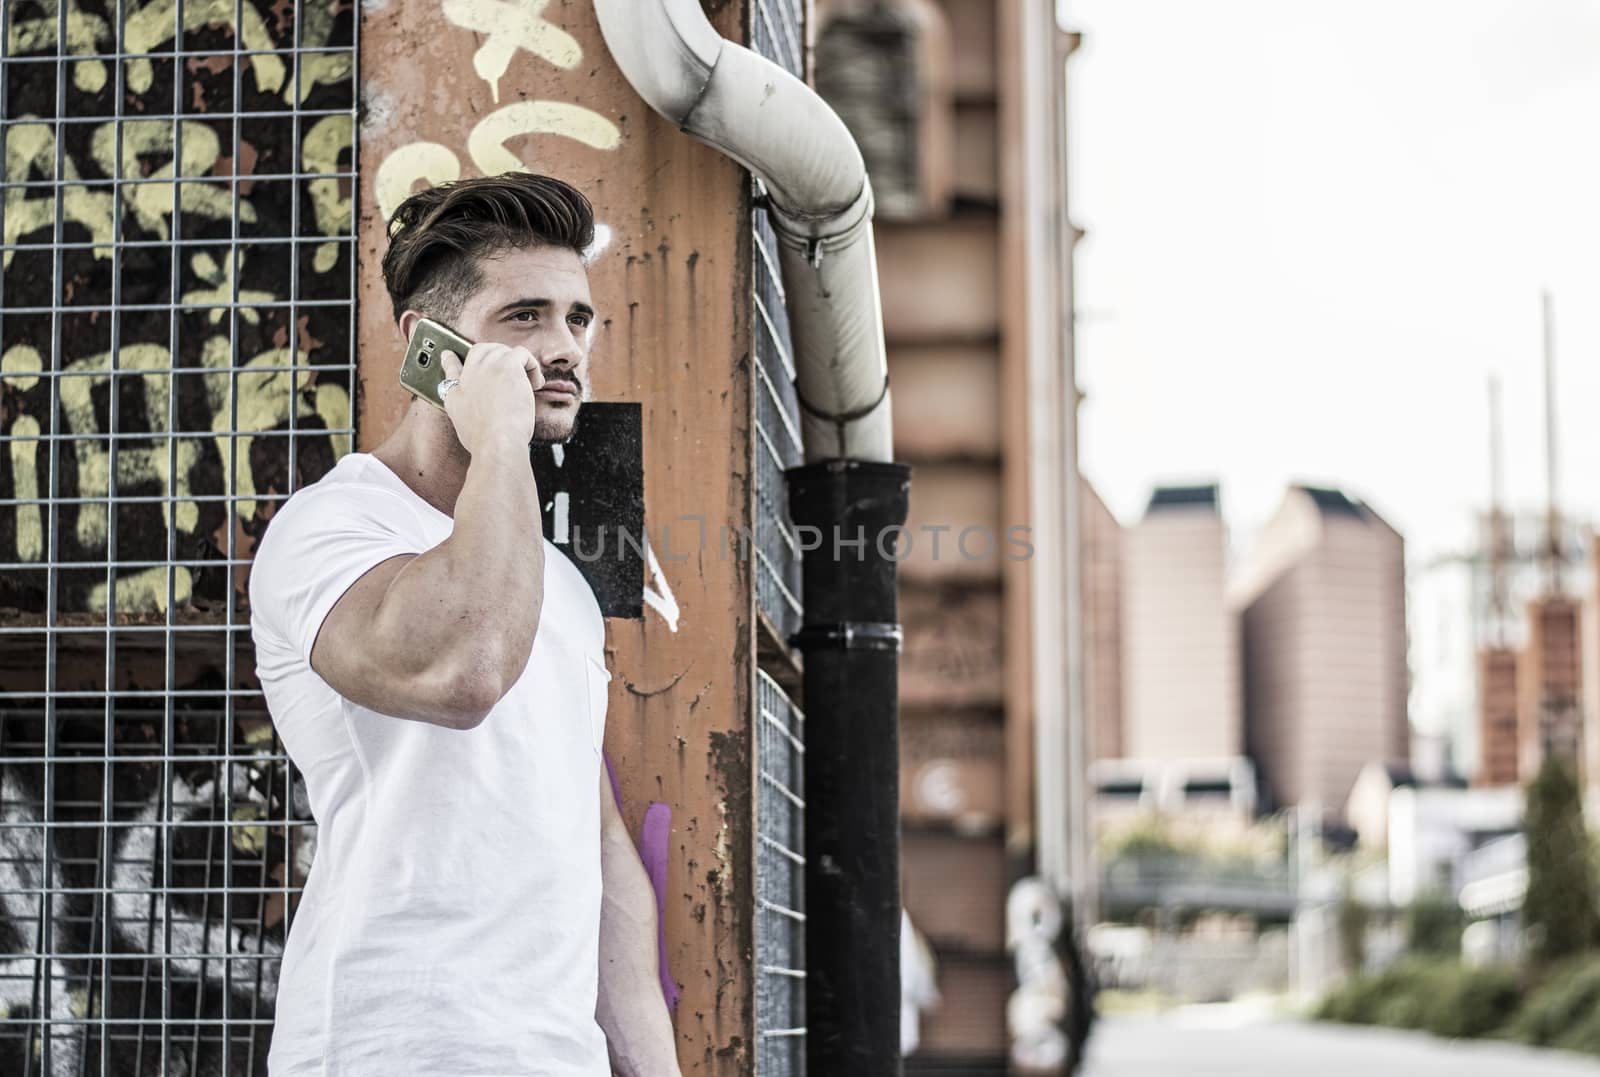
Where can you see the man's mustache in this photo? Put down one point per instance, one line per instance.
(564, 375)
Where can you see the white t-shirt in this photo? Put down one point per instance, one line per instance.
(450, 924)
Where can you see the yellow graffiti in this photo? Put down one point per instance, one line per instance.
(135, 466)
(244, 401)
(333, 405)
(316, 30)
(221, 291)
(262, 402)
(85, 34)
(155, 24)
(31, 148)
(427, 162)
(152, 202)
(20, 366)
(146, 590)
(434, 164)
(241, 401)
(320, 150)
(30, 153)
(89, 76)
(510, 25)
(250, 840)
(487, 142)
(25, 487)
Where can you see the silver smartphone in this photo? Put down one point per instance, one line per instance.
(422, 370)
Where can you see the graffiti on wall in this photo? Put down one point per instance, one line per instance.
(188, 340)
(176, 356)
(130, 919)
(506, 28)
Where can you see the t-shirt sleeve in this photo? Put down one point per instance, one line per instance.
(319, 545)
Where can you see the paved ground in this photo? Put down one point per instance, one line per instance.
(1222, 1041)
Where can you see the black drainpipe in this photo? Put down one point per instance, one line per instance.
(851, 644)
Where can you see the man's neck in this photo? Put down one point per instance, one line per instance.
(424, 452)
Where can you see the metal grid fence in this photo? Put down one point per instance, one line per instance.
(777, 549)
(776, 33)
(780, 882)
(176, 306)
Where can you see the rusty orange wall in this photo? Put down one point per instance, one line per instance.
(497, 85)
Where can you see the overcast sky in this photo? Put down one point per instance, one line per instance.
(1315, 228)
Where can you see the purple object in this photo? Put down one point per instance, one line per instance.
(611, 772)
(653, 851)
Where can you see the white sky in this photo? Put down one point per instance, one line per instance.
(1315, 228)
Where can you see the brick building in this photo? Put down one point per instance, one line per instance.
(1323, 603)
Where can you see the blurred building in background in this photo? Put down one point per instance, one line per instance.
(1103, 541)
(1471, 608)
(1549, 684)
(1323, 604)
(956, 107)
(1162, 651)
(1180, 651)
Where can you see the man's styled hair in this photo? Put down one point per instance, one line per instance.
(438, 236)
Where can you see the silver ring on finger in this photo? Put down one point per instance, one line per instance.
(446, 387)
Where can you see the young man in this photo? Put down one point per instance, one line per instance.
(435, 670)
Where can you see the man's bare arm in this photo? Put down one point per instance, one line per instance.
(442, 636)
(631, 1009)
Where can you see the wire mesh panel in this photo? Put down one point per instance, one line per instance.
(780, 739)
(780, 882)
(776, 34)
(176, 306)
(777, 549)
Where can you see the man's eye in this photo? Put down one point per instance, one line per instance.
(580, 320)
(523, 316)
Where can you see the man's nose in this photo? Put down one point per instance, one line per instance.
(561, 351)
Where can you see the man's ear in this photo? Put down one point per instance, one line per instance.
(408, 324)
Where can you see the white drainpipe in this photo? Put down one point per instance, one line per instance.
(820, 205)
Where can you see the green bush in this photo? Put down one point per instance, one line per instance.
(1433, 926)
(1353, 919)
(1441, 996)
(1559, 910)
(1472, 1002)
(1407, 988)
(1568, 999)
(1453, 1000)
(1347, 1003)
(1584, 1036)
(1395, 997)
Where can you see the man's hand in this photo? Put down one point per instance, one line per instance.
(494, 402)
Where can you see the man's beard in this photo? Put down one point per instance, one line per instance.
(543, 437)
